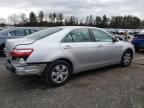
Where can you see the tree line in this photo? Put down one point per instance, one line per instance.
(58, 19)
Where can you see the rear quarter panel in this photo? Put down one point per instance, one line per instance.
(43, 53)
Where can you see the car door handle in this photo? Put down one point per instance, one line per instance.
(67, 47)
(100, 46)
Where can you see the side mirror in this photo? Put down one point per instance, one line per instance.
(115, 39)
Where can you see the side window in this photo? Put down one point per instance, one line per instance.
(78, 35)
(21, 32)
(68, 38)
(101, 36)
(12, 33)
(81, 35)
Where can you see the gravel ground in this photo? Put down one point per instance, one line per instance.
(110, 87)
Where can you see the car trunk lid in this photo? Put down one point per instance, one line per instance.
(12, 43)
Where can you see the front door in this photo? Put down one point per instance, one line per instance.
(109, 52)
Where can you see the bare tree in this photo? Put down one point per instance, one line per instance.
(14, 19)
(46, 16)
(51, 17)
(23, 18)
(2, 21)
(59, 18)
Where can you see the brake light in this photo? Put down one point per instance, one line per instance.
(21, 53)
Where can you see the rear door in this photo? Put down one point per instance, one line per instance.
(109, 52)
(80, 47)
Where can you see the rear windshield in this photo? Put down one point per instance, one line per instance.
(43, 33)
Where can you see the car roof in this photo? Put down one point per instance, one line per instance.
(40, 28)
(70, 28)
(75, 27)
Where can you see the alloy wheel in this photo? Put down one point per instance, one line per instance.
(59, 73)
(127, 58)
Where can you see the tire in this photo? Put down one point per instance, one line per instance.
(126, 58)
(57, 73)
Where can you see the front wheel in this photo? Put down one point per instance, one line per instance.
(126, 58)
(57, 73)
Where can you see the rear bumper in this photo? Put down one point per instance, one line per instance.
(24, 69)
(9, 66)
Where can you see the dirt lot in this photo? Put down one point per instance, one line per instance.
(110, 87)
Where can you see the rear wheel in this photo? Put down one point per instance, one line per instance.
(126, 58)
(57, 73)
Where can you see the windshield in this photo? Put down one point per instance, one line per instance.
(43, 33)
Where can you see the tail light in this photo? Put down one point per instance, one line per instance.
(21, 53)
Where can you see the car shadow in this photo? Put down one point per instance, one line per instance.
(37, 82)
(141, 51)
(30, 82)
(94, 72)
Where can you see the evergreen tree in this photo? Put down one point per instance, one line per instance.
(98, 21)
(33, 18)
(41, 16)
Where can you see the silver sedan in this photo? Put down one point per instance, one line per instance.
(57, 53)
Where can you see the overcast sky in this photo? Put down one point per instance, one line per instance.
(74, 7)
